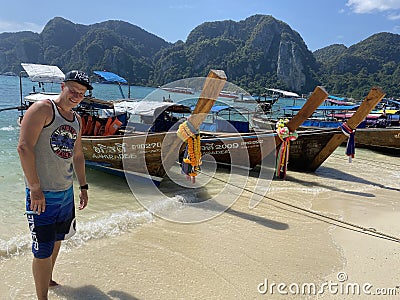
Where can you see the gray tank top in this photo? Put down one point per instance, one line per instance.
(54, 151)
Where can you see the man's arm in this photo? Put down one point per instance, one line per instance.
(79, 168)
(37, 116)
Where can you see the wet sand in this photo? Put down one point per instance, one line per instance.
(241, 252)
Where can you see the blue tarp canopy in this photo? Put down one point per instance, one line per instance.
(110, 77)
(336, 98)
(393, 101)
(216, 108)
(324, 107)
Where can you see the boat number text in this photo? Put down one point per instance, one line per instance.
(212, 148)
(118, 150)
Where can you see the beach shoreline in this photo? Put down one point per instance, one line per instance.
(371, 266)
(261, 253)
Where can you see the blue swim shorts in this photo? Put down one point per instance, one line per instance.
(56, 223)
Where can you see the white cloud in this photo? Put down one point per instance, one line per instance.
(394, 17)
(396, 29)
(16, 27)
(368, 6)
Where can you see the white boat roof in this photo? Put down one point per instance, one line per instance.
(141, 108)
(144, 108)
(41, 96)
(43, 73)
(284, 93)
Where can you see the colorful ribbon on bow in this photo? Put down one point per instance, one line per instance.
(351, 145)
(282, 156)
(192, 156)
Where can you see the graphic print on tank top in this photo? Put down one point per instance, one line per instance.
(62, 141)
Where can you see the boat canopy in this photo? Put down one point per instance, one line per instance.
(43, 73)
(144, 108)
(393, 101)
(336, 98)
(284, 93)
(41, 96)
(216, 108)
(339, 102)
(110, 76)
(325, 107)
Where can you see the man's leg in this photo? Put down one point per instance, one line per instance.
(41, 269)
(54, 255)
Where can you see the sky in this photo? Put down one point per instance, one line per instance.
(319, 22)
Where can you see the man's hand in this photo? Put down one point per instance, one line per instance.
(83, 199)
(38, 203)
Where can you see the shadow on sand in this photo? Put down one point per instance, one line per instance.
(90, 292)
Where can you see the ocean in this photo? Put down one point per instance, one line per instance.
(116, 222)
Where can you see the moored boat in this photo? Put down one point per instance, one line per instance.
(178, 89)
(381, 139)
(379, 129)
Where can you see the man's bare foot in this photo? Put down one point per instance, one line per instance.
(53, 283)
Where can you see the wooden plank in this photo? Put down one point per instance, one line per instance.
(317, 97)
(372, 99)
(213, 85)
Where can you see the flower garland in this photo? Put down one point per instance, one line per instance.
(283, 153)
(192, 156)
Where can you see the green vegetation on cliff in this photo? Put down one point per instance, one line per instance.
(255, 53)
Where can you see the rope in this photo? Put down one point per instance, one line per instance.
(372, 162)
(341, 223)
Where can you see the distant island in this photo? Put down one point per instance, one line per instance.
(256, 53)
(9, 74)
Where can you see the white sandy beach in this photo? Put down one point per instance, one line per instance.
(239, 253)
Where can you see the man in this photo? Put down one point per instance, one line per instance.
(50, 150)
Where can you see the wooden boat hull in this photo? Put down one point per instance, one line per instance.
(239, 150)
(307, 147)
(136, 155)
(383, 139)
(141, 155)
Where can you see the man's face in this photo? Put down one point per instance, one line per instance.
(75, 92)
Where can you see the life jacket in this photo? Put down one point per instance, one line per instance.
(83, 124)
(112, 126)
(98, 128)
(87, 125)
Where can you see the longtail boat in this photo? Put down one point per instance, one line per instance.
(381, 139)
(379, 130)
(148, 153)
(317, 145)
